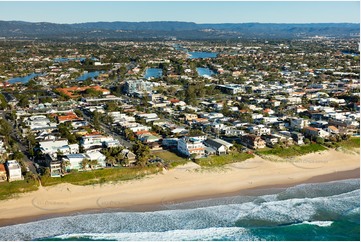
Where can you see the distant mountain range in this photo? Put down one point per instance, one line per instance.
(172, 29)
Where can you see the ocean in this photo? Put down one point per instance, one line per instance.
(315, 211)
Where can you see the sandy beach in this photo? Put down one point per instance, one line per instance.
(186, 182)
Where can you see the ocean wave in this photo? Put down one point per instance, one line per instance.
(238, 213)
(326, 189)
(227, 233)
(319, 223)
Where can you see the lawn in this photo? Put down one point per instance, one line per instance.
(292, 151)
(171, 158)
(101, 176)
(351, 143)
(216, 161)
(11, 189)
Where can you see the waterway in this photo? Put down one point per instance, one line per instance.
(153, 72)
(24, 79)
(205, 71)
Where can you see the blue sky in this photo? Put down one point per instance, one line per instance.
(190, 11)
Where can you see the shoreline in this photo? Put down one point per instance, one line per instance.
(255, 176)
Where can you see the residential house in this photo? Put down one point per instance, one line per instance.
(74, 161)
(53, 146)
(129, 156)
(71, 116)
(40, 123)
(190, 145)
(3, 176)
(297, 137)
(232, 131)
(14, 170)
(252, 141)
(170, 142)
(220, 146)
(190, 116)
(270, 140)
(316, 132)
(259, 130)
(298, 123)
(55, 169)
(97, 141)
(332, 130)
(95, 155)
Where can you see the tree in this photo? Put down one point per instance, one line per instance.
(3, 103)
(320, 140)
(111, 161)
(18, 155)
(23, 102)
(64, 165)
(84, 163)
(59, 154)
(129, 134)
(193, 157)
(96, 120)
(5, 129)
(93, 163)
(142, 153)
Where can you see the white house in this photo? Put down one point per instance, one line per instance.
(93, 141)
(220, 146)
(299, 123)
(14, 170)
(53, 146)
(259, 130)
(188, 146)
(74, 161)
(96, 155)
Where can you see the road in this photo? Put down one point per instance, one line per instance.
(23, 148)
(107, 130)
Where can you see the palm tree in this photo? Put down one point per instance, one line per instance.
(119, 157)
(84, 163)
(64, 165)
(111, 160)
(93, 163)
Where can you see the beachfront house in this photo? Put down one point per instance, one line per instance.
(190, 145)
(129, 156)
(98, 141)
(220, 146)
(74, 161)
(14, 170)
(3, 175)
(60, 145)
(55, 169)
(252, 141)
(297, 137)
(315, 132)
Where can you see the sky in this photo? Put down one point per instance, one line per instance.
(189, 11)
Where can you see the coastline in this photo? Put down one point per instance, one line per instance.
(181, 184)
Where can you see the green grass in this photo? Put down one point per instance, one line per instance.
(216, 161)
(351, 143)
(171, 158)
(292, 151)
(101, 176)
(12, 189)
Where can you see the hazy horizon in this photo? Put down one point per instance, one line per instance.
(200, 12)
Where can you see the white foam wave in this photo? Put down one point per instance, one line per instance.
(227, 233)
(319, 223)
(243, 213)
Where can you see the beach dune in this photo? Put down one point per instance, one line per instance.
(186, 182)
